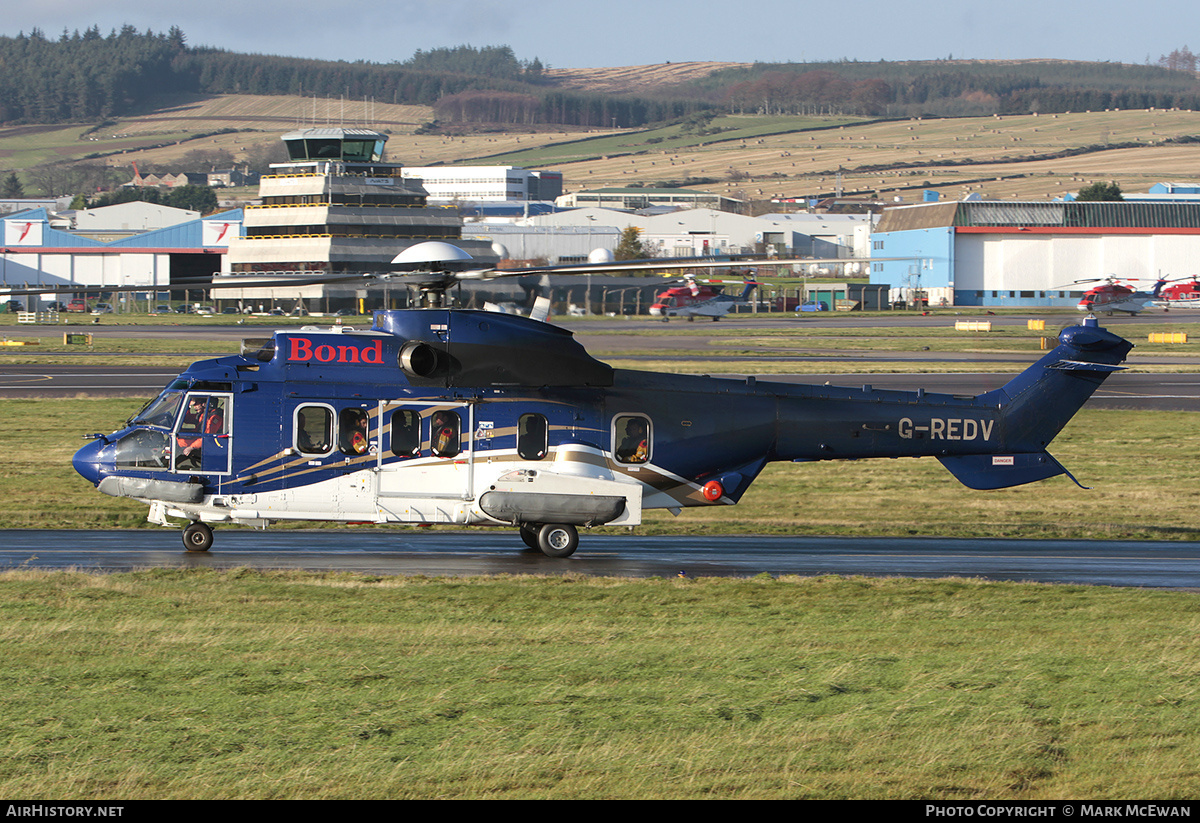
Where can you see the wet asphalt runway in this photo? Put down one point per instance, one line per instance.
(493, 551)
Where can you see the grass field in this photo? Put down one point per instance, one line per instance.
(754, 157)
(196, 684)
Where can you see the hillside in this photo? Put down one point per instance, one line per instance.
(634, 79)
(1030, 156)
(88, 77)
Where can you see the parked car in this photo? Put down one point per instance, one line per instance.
(205, 311)
(230, 310)
(102, 308)
(77, 305)
(14, 306)
(161, 308)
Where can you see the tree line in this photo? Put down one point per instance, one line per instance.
(88, 76)
(950, 88)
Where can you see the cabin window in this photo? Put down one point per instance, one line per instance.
(632, 438)
(444, 433)
(314, 429)
(532, 434)
(354, 436)
(406, 433)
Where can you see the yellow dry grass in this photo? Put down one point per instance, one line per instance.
(635, 79)
(261, 120)
(1011, 156)
(806, 161)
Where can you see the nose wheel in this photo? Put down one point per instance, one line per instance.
(197, 537)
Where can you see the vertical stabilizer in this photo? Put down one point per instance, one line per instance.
(1037, 404)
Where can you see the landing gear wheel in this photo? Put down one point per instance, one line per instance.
(197, 537)
(558, 541)
(529, 534)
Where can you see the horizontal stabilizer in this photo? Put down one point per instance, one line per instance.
(999, 471)
(1079, 365)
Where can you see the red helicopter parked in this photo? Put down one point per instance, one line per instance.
(701, 298)
(1111, 296)
(1182, 294)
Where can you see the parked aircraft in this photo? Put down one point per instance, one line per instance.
(1112, 296)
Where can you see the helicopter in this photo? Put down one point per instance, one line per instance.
(441, 415)
(694, 298)
(1184, 293)
(1112, 296)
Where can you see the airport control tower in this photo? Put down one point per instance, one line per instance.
(337, 207)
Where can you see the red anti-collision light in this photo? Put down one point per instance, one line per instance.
(713, 491)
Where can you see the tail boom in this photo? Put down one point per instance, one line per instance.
(992, 441)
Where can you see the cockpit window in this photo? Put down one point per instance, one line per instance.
(204, 414)
(142, 449)
(160, 411)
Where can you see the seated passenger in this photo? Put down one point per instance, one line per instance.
(634, 446)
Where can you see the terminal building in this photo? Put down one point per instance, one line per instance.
(994, 253)
(485, 184)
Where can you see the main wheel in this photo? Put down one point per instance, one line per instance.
(197, 537)
(529, 534)
(558, 541)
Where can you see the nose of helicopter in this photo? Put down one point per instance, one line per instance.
(87, 461)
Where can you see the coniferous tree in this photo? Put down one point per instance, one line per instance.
(630, 246)
(12, 186)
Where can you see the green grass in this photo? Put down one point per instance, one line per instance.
(200, 684)
(22, 147)
(666, 138)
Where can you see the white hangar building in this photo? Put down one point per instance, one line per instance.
(981, 253)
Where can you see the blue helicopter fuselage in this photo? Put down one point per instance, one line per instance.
(455, 416)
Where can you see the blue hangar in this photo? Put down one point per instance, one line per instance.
(992, 253)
